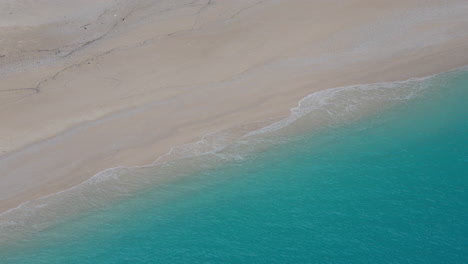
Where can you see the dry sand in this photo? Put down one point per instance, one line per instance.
(93, 84)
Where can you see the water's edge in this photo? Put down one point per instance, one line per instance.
(327, 108)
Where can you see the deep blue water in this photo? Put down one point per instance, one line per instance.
(390, 188)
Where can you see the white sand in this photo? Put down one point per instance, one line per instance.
(88, 85)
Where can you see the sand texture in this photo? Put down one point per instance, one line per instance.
(94, 84)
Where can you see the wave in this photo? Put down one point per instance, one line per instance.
(324, 109)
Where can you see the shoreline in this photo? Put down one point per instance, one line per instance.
(82, 140)
(117, 183)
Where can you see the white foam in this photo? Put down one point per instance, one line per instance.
(321, 108)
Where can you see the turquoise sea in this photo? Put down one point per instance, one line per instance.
(365, 174)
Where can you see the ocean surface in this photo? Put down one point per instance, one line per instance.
(363, 174)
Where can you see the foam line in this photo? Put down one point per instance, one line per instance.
(335, 105)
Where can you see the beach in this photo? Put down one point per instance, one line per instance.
(119, 83)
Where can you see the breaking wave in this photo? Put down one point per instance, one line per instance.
(316, 111)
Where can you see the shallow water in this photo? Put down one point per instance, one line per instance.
(388, 188)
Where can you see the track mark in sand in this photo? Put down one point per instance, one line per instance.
(112, 28)
(20, 89)
(39, 85)
(200, 11)
(246, 8)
